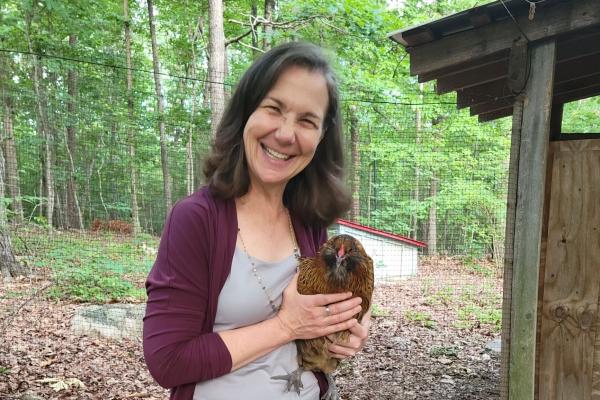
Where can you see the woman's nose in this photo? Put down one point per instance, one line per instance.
(286, 132)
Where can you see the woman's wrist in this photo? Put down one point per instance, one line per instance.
(283, 327)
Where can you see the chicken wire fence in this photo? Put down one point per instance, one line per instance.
(429, 192)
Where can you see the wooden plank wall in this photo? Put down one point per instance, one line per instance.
(569, 348)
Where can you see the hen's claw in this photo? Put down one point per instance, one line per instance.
(332, 393)
(293, 380)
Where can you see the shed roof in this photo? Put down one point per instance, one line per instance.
(378, 232)
(468, 52)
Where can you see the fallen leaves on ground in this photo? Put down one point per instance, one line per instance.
(41, 359)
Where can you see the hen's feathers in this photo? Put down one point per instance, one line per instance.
(318, 276)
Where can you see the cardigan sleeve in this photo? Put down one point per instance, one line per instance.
(177, 349)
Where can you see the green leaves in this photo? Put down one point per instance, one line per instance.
(407, 136)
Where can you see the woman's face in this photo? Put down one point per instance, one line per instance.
(282, 134)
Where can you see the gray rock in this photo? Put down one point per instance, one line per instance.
(30, 396)
(494, 346)
(115, 321)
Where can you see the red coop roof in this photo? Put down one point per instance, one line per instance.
(379, 232)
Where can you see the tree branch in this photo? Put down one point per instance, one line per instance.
(256, 21)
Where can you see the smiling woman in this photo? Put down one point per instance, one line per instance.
(223, 306)
(282, 134)
(318, 193)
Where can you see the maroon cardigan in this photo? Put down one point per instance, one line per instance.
(193, 262)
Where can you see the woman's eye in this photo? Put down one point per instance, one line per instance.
(273, 108)
(309, 123)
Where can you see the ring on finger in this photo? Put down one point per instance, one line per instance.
(327, 310)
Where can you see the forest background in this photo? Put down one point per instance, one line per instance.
(108, 110)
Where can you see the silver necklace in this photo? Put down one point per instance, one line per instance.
(255, 272)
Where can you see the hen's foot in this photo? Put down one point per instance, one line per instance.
(332, 393)
(293, 380)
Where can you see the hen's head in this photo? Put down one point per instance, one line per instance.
(343, 256)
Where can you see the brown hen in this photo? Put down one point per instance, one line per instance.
(341, 265)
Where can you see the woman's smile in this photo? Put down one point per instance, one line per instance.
(275, 154)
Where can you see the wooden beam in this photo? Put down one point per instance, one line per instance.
(577, 136)
(529, 219)
(419, 35)
(466, 66)
(577, 94)
(560, 96)
(581, 45)
(577, 68)
(564, 92)
(549, 21)
(479, 16)
(584, 44)
(492, 106)
(492, 115)
(575, 84)
(491, 91)
(571, 74)
(474, 77)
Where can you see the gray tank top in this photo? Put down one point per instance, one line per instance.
(243, 302)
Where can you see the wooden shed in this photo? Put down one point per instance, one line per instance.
(394, 256)
(526, 58)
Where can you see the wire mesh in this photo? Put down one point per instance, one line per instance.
(429, 187)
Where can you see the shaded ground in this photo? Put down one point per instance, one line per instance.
(424, 346)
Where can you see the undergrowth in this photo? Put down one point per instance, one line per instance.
(88, 267)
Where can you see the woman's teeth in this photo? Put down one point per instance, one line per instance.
(276, 154)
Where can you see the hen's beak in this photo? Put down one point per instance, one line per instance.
(340, 256)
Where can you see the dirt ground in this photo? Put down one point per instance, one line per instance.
(404, 359)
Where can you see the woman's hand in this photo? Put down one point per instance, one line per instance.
(359, 334)
(311, 316)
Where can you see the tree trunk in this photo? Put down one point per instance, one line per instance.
(135, 214)
(254, 16)
(43, 126)
(74, 218)
(164, 156)
(194, 33)
(416, 197)
(216, 63)
(268, 27)
(9, 267)
(7, 138)
(432, 230)
(369, 182)
(355, 156)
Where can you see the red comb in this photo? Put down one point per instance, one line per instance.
(341, 250)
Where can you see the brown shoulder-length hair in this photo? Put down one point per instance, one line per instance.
(318, 194)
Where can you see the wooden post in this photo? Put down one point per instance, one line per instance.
(556, 121)
(511, 204)
(533, 151)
